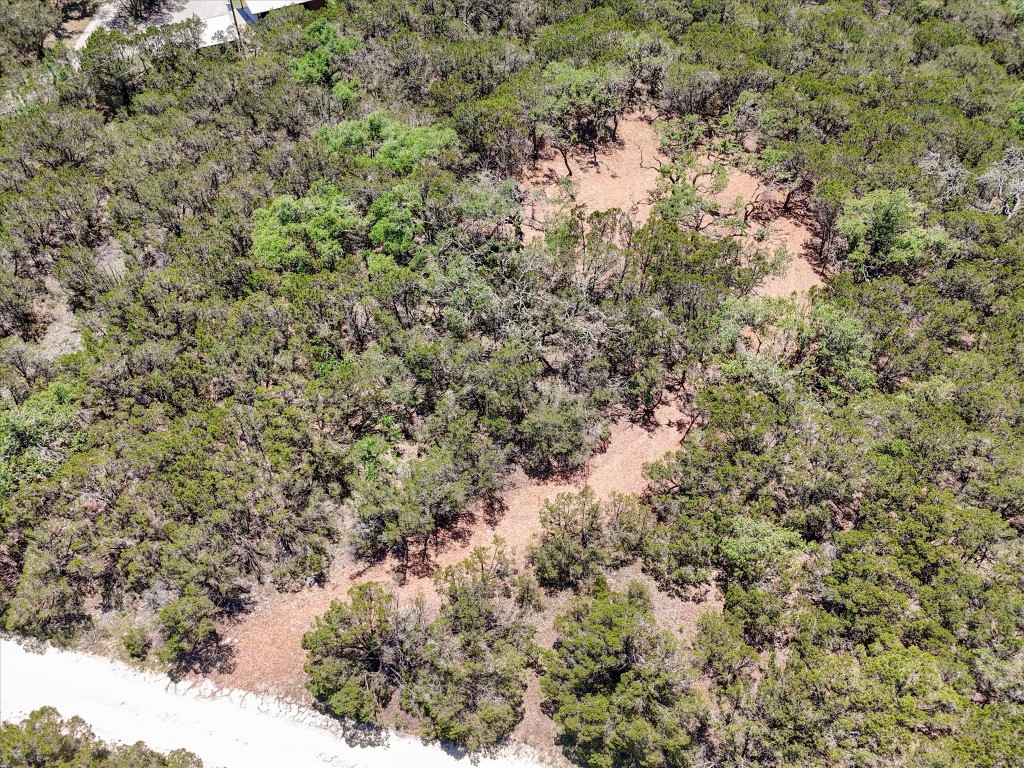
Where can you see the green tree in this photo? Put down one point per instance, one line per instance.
(389, 144)
(470, 688)
(615, 684)
(572, 547)
(841, 356)
(751, 548)
(362, 650)
(578, 103)
(24, 26)
(312, 234)
(557, 435)
(46, 740)
(188, 625)
(630, 526)
(401, 514)
(883, 235)
(327, 51)
(721, 654)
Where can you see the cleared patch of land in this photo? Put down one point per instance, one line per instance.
(624, 174)
(268, 656)
(790, 230)
(63, 335)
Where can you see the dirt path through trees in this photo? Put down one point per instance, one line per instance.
(268, 656)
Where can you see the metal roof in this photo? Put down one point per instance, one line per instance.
(262, 6)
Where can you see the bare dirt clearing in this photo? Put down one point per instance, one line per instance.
(625, 175)
(790, 230)
(621, 175)
(63, 335)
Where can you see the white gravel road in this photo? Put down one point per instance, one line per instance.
(227, 728)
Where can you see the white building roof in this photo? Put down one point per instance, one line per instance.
(262, 6)
(220, 29)
(219, 24)
(204, 9)
(216, 15)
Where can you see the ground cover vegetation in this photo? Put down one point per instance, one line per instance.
(330, 331)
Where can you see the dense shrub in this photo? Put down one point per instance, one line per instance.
(46, 740)
(615, 682)
(331, 328)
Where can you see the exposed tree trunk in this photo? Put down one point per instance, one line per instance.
(789, 199)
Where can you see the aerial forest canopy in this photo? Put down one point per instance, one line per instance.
(312, 320)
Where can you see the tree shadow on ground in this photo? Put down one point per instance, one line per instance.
(364, 735)
(356, 734)
(217, 656)
(801, 211)
(459, 752)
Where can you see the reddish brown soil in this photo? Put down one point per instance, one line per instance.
(672, 613)
(538, 731)
(620, 175)
(268, 656)
(791, 231)
(624, 175)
